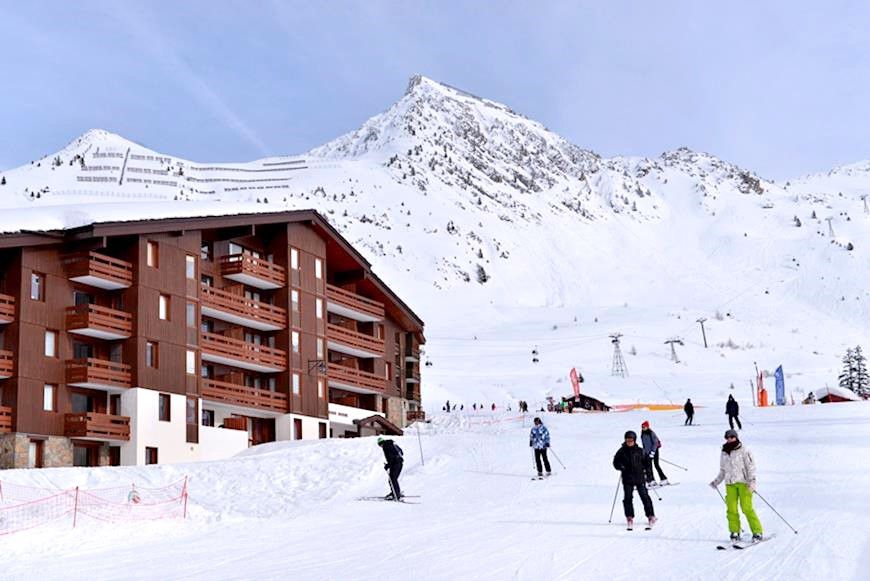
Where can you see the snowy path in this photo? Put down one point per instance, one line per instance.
(482, 517)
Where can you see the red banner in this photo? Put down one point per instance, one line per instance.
(575, 381)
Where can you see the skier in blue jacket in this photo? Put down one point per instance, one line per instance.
(539, 439)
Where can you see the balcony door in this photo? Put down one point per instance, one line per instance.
(80, 298)
(82, 350)
(262, 430)
(82, 403)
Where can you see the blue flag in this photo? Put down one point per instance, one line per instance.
(780, 386)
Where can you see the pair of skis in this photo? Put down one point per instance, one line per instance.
(543, 477)
(382, 499)
(741, 545)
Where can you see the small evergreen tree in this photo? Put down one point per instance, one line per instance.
(847, 376)
(3, 181)
(862, 379)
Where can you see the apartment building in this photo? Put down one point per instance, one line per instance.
(181, 339)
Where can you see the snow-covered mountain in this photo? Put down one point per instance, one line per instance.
(503, 235)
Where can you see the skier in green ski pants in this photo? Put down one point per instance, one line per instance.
(737, 469)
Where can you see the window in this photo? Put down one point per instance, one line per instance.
(191, 315)
(295, 384)
(116, 352)
(190, 267)
(295, 341)
(150, 455)
(294, 299)
(387, 370)
(190, 363)
(152, 257)
(320, 348)
(151, 355)
(297, 429)
(206, 250)
(320, 388)
(37, 286)
(207, 280)
(208, 418)
(322, 429)
(318, 268)
(50, 343)
(318, 308)
(236, 249)
(294, 259)
(82, 350)
(163, 308)
(273, 384)
(191, 410)
(80, 298)
(163, 403)
(48, 397)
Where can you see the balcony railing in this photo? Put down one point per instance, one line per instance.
(355, 380)
(415, 416)
(235, 352)
(411, 354)
(94, 426)
(5, 419)
(353, 306)
(99, 270)
(97, 374)
(253, 271)
(7, 309)
(220, 304)
(233, 394)
(412, 376)
(6, 364)
(100, 322)
(353, 343)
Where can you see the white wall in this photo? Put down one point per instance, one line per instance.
(341, 418)
(146, 429)
(310, 427)
(220, 443)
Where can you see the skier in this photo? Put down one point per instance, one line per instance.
(393, 455)
(690, 412)
(539, 439)
(448, 405)
(629, 460)
(732, 410)
(737, 469)
(651, 444)
(493, 407)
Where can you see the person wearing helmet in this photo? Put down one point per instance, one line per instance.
(629, 460)
(395, 461)
(737, 469)
(651, 445)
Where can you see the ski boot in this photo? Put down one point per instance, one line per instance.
(735, 537)
(652, 520)
(757, 538)
(629, 524)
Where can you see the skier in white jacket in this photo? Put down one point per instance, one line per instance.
(737, 469)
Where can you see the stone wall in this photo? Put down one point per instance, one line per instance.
(57, 451)
(396, 408)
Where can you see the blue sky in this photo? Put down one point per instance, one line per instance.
(781, 88)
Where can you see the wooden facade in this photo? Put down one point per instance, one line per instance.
(262, 314)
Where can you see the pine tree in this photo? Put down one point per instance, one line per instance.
(862, 379)
(847, 376)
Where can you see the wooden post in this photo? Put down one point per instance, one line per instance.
(420, 443)
(184, 495)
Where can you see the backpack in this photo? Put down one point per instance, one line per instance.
(399, 451)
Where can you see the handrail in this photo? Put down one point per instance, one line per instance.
(354, 301)
(355, 376)
(355, 339)
(101, 264)
(7, 306)
(255, 266)
(243, 306)
(91, 315)
(242, 350)
(224, 391)
(85, 369)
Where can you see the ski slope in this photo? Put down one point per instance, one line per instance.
(287, 509)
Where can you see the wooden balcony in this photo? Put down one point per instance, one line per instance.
(99, 270)
(413, 393)
(99, 322)
(412, 376)
(239, 310)
(353, 306)
(355, 380)
(240, 395)
(353, 343)
(237, 353)
(7, 309)
(94, 426)
(415, 416)
(5, 419)
(255, 272)
(412, 355)
(6, 364)
(98, 374)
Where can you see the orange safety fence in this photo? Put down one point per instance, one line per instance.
(24, 507)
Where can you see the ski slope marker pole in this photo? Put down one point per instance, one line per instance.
(777, 513)
(422, 462)
(672, 464)
(615, 493)
(557, 458)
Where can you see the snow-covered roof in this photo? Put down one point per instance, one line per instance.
(840, 392)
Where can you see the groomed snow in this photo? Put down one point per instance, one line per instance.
(287, 510)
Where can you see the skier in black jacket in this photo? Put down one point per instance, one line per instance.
(629, 460)
(393, 456)
(689, 408)
(732, 409)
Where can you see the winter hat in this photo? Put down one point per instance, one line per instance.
(645, 424)
(538, 421)
(381, 441)
(630, 435)
(731, 434)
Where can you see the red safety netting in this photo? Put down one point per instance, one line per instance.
(24, 507)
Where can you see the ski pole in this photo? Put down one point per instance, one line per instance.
(726, 504)
(615, 493)
(422, 462)
(556, 456)
(392, 488)
(656, 492)
(777, 514)
(672, 464)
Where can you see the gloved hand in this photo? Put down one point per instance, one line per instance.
(530, 444)
(653, 455)
(752, 486)
(386, 466)
(546, 445)
(713, 484)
